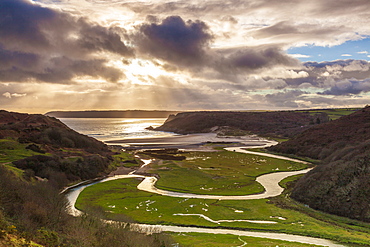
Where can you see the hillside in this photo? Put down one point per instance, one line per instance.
(45, 147)
(110, 114)
(278, 123)
(38, 156)
(341, 183)
(334, 140)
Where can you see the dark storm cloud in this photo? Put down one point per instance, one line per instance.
(260, 57)
(175, 40)
(95, 38)
(186, 44)
(20, 21)
(14, 68)
(49, 45)
(349, 87)
(11, 59)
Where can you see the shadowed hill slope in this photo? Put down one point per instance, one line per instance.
(282, 123)
(348, 135)
(45, 147)
(341, 183)
(40, 129)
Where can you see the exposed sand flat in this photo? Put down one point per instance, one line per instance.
(182, 141)
(242, 150)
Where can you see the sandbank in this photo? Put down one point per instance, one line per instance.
(190, 141)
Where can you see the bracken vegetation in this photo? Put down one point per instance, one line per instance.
(340, 184)
(277, 124)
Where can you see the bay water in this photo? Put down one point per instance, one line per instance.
(110, 129)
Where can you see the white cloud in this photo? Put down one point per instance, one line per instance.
(7, 95)
(299, 55)
(363, 52)
(346, 55)
(15, 95)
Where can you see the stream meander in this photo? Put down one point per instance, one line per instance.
(269, 181)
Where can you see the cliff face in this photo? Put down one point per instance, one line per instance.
(341, 183)
(282, 124)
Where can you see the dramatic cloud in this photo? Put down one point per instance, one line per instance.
(175, 41)
(183, 55)
(38, 43)
(260, 57)
(348, 87)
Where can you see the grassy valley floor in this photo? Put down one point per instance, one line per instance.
(220, 173)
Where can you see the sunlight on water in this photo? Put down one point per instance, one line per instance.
(106, 129)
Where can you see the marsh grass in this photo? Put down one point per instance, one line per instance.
(225, 240)
(121, 197)
(125, 159)
(218, 173)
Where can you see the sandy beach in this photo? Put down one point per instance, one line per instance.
(190, 141)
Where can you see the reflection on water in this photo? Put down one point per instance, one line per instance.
(105, 129)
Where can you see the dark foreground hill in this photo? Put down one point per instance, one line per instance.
(38, 155)
(341, 183)
(57, 149)
(278, 123)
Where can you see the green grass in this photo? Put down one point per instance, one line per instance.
(122, 197)
(221, 240)
(11, 150)
(121, 159)
(227, 173)
(334, 113)
(218, 173)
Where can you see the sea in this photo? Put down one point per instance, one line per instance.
(111, 129)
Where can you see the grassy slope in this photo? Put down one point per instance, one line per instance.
(334, 113)
(11, 150)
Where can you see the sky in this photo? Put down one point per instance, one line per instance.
(183, 54)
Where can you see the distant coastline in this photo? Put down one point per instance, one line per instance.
(111, 114)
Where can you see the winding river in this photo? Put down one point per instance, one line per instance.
(269, 181)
